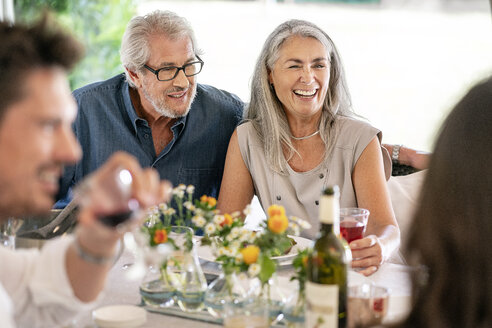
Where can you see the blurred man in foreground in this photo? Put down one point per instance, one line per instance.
(49, 287)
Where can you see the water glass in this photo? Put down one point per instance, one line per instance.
(252, 313)
(353, 222)
(367, 305)
(8, 230)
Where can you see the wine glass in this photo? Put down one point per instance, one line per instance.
(110, 196)
(353, 222)
(8, 230)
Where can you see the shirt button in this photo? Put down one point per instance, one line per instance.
(278, 197)
(316, 202)
(321, 176)
(146, 136)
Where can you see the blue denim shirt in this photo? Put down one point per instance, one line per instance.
(107, 122)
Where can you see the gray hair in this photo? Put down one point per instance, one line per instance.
(265, 110)
(135, 49)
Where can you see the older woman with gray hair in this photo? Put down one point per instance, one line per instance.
(300, 135)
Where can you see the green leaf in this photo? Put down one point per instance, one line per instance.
(268, 268)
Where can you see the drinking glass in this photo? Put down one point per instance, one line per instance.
(367, 305)
(8, 230)
(109, 195)
(252, 313)
(353, 222)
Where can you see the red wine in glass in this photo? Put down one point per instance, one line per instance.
(352, 230)
(116, 218)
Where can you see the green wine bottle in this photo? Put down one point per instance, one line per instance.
(326, 285)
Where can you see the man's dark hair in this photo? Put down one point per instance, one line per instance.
(24, 48)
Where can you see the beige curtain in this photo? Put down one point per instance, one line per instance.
(7, 10)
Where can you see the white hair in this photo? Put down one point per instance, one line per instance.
(135, 49)
(265, 110)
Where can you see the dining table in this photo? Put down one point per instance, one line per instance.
(121, 290)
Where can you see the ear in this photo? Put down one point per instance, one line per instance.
(270, 78)
(135, 77)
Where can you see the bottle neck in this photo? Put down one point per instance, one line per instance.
(327, 228)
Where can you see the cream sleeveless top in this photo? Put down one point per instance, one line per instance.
(299, 192)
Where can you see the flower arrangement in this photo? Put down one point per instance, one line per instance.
(236, 248)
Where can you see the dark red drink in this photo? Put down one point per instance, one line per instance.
(351, 230)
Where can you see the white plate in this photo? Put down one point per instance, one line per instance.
(119, 316)
(205, 252)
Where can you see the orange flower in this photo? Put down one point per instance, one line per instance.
(210, 201)
(227, 220)
(160, 236)
(276, 210)
(278, 223)
(250, 254)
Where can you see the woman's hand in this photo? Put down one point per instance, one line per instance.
(411, 157)
(367, 253)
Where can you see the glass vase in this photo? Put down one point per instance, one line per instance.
(156, 288)
(189, 281)
(271, 294)
(228, 288)
(294, 309)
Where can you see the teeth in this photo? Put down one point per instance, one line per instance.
(176, 96)
(305, 93)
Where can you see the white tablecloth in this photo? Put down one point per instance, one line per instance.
(120, 290)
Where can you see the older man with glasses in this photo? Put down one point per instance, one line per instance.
(156, 110)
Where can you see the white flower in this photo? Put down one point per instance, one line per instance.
(224, 251)
(254, 269)
(218, 219)
(235, 232)
(235, 245)
(199, 221)
(247, 210)
(210, 228)
(181, 186)
(152, 210)
(178, 193)
(303, 224)
(244, 235)
(189, 206)
(294, 228)
(163, 206)
(190, 189)
(199, 212)
(236, 214)
(239, 258)
(170, 211)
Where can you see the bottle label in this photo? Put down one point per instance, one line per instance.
(321, 305)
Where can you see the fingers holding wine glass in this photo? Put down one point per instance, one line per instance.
(119, 189)
(367, 253)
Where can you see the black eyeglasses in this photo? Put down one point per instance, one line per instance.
(170, 72)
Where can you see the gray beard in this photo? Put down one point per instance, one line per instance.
(162, 109)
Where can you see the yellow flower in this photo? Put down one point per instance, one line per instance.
(227, 220)
(250, 254)
(160, 236)
(210, 201)
(278, 223)
(276, 210)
